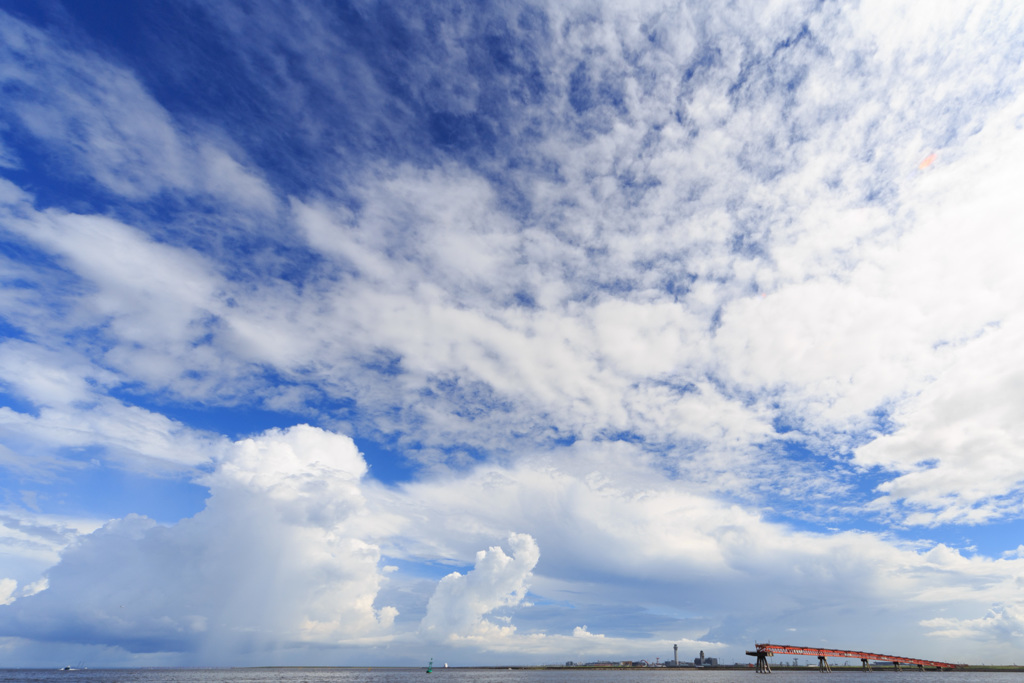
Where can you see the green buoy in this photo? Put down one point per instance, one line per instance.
(430, 667)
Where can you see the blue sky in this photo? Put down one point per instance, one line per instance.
(369, 332)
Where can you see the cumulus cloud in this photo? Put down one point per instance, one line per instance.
(269, 563)
(458, 608)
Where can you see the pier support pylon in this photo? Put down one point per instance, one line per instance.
(823, 666)
(762, 663)
(866, 664)
(898, 666)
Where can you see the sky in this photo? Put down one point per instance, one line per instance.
(360, 333)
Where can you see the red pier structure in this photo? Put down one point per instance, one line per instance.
(765, 650)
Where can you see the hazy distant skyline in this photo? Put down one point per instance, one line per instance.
(368, 332)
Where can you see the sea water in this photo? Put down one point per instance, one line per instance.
(451, 675)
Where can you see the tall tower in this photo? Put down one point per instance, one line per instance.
(702, 657)
(675, 655)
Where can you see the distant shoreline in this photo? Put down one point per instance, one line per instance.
(973, 668)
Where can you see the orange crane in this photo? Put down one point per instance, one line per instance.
(765, 650)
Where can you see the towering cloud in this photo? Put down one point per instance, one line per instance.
(458, 608)
(272, 562)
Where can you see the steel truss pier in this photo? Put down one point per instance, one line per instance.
(765, 650)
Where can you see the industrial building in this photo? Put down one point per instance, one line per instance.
(700, 662)
(703, 661)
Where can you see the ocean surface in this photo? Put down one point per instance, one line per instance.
(371, 675)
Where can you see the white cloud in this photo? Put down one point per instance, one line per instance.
(32, 542)
(47, 377)
(269, 563)
(8, 159)
(957, 436)
(124, 138)
(135, 438)
(71, 411)
(151, 293)
(458, 608)
(128, 308)
(101, 116)
(222, 176)
(1001, 623)
(7, 589)
(34, 587)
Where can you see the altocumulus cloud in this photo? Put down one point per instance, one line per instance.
(649, 321)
